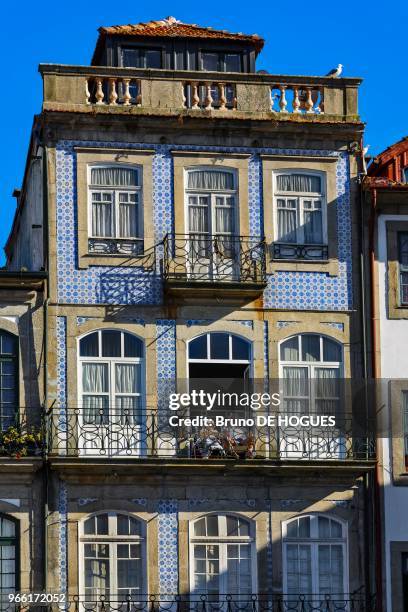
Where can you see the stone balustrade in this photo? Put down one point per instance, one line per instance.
(166, 92)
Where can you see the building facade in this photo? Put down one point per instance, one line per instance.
(386, 210)
(198, 220)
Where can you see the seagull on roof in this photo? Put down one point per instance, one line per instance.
(335, 72)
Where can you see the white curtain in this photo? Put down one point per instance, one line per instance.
(295, 385)
(224, 220)
(286, 222)
(198, 219)
(102, 224)
(300, 183)
(114, 176)
(210, 179)
(313, 228)
(327, 391)
(127, 378)
(95, 377)
(127, 217)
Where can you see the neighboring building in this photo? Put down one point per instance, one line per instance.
(386, 216)
(22, 436)
(200, 220)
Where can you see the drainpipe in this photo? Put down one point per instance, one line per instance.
(374, 366)
(45, 336)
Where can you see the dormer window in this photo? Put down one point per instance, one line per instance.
(141, 57)
(213, 61)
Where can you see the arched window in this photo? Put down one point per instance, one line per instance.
(115, 209)
(300, 214)
(9, 549)
(305, 358)
(314, 556)
(112, 555)
(222, 555)
(8, 379)
(219, 354)
(111, 390)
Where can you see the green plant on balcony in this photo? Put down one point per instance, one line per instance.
(16, 443)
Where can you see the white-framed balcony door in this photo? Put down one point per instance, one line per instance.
(213, 249)
(110, 419)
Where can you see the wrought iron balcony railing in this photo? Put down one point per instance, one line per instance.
(116, 246)
(307, 252)
(342, 602)
(118, 433)
(201, 258)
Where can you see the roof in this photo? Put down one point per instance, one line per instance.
(172, 27)
(388, 155)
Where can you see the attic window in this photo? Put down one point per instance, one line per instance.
(139, 57)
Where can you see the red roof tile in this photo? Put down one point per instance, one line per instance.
(171, 27)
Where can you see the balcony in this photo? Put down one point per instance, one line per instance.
(215, 603)
(22, 435)
(224, 266)
(229, 96)
(147, 434)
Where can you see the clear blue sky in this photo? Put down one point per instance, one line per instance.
(301, 38)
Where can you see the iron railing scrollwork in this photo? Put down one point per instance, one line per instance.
(215, 259)
(307, 252)
(342, 602)
(148, 433)
(115, 246)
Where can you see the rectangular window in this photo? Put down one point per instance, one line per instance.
(403, 266)
(115, 215)
(214, 61)
(300, 216)
(141, 58)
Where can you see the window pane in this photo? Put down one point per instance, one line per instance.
(324, 527)
(301, 183)
(127, 379)
(232, 62)
(210, 179)
(126, 525)
(197, 349)
(287, 221)
(304, 527)
(89, 526)
(7, 528)
(133, 346)
(210, 61)
(232, 526)
(313, 226)
(153, 58)
(102, 219)
(212, 525)
(114, 176)
(128, 227)
(219, 346)
(88, 346)
(102, 524)
(290, 349)
(292, 529)
(8, 344)
(95, 378)
(310, 348)
(240, 348)
(331, 350)
(199, 529)
(111, 344)
(133, 58)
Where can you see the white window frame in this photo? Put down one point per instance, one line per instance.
(212, 194)
(300, 197)
(312, 365)
(115, 191)
(111, 361)
(222, 541)
(314, 542)
(112, 540)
